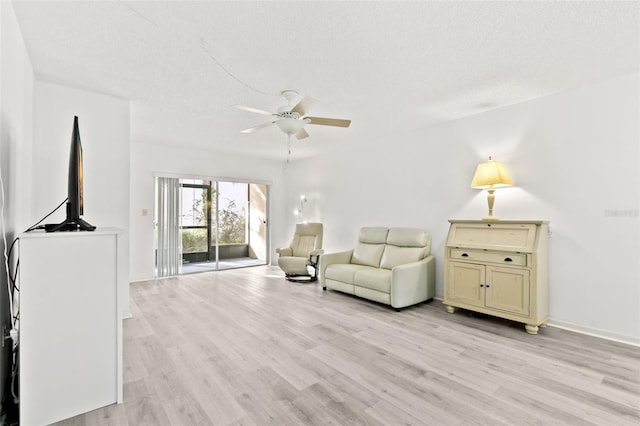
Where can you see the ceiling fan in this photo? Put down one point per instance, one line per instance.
(292, 119)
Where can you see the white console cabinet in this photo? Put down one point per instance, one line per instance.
(70, 324)
(498, 268)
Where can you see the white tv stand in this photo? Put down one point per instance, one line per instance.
(70, 325)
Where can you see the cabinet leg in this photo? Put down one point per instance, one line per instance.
(531, 329)
(450, 309)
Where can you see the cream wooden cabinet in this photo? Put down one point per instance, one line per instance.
(498, 268)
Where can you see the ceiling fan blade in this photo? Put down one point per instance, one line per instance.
(302, 134)
(304, 105)
(258, 127)
(251, 109)
(329, 121)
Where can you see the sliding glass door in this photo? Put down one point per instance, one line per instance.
(221, 225)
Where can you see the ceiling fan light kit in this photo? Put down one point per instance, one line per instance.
(291, 126)
(292, 119)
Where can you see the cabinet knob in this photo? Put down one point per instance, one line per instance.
(487, 285)
(464, 255)
(508, 259)
(481, 285)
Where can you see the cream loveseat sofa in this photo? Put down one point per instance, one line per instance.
(388, 265)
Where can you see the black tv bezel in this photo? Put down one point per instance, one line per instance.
(75, 189)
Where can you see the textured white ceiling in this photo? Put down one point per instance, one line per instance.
(381, 64)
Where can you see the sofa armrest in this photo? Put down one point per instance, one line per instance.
(343, 257)
(413, 282)
(285, 251)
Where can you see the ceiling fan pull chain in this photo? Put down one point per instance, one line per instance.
(288, 147)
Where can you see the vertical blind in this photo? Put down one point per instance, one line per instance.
(169, 249)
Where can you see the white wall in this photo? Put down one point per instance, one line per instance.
(148, 159)
(574, 158)
(104, 131)
(16, 123)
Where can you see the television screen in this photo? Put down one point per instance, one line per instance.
(75, 197)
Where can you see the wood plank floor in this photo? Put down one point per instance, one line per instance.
(246, 347)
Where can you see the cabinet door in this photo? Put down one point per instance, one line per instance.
(464, 283)
(507, 289)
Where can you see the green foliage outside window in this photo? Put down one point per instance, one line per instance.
(194, 240)
(231, 230)
(232, 224)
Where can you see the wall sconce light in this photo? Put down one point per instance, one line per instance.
(489, 176)
(300, 211)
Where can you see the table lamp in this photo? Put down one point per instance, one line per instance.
(489, 176)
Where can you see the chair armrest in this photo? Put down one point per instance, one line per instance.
(343, 257)
(285, 251)
(413, 283)
(314, 256)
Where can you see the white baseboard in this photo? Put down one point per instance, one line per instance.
(620, 338)
(634, 341)
(140, 279)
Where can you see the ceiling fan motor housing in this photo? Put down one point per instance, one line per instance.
(289, 114)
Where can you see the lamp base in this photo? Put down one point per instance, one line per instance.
(490, 200)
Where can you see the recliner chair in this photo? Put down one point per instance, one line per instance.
(303, 253)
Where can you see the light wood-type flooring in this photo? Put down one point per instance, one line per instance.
(246, 347)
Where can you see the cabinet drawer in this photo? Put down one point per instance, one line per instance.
(516, 237)
(518, 259)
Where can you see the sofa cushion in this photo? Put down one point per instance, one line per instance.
(377, 296)
(374, 279)
(409, 237)
(293, 265)
(405, 245)
(373, 235)
(342, 272)
(340, 286)
(367, 254)
(394, 256)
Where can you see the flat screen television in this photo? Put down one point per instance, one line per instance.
(75, 197)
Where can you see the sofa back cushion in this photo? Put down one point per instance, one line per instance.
(371, 242)
(405, 245)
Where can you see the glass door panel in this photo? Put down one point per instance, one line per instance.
(233, 200)
(195, 202)
(258, 221)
